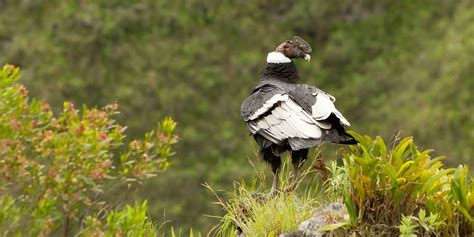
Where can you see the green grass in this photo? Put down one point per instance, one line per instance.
(257, 215)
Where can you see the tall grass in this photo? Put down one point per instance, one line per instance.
(252, 213)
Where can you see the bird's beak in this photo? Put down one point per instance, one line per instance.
(307, 57)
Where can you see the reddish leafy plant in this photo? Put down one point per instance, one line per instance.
(54, 167)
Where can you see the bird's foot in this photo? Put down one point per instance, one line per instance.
(263, 196)
(259, 196)
(272, 193)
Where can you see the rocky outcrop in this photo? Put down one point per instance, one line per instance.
(333, 213)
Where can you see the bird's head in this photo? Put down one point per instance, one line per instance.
(296, 47)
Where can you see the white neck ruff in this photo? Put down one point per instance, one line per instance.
(277, 57)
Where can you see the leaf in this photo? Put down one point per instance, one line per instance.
(430, 184)
(390, 171)
(404, 167)
(466, 214)
(400, 150)
(383, 147)
(351, 209)
(459, 185)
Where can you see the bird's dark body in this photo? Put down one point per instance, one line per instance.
(278, 79)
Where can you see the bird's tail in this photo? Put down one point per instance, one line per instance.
(347, 139)
(338, 134)
(341, 138)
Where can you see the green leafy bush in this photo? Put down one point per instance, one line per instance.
(54, 168)
(462, 193)
(430, 223)
(387, 184)
(131, 221)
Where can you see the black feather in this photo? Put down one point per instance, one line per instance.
(284, 71)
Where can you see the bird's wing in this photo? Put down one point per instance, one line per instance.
(260, 101)
(316, 102)
(324, 107)
(282, 118)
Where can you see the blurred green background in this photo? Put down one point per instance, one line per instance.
(393, 65)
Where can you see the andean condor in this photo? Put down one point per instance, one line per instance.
(283, 115)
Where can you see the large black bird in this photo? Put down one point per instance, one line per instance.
(285, 116)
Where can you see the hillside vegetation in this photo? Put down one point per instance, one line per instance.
(392, 65)
(380, 190)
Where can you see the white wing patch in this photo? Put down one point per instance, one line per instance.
(287, 120)
(323, 108)
(268, 105)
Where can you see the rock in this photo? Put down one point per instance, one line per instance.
(292, 234)
(331, 214)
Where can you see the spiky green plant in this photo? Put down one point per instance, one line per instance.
(386, 184)
(462, 194)
(427, 225)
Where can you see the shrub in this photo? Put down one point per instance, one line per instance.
(54, 168)
(387, 184)
(131, 221)
(462, 194)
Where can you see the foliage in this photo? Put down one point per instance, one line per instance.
(9, 215)
(336, 182)
(407, 227)
(55, 169)
(132, 221)
(388, 184)
(392, 65)
(429, 224)
(462, 193)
